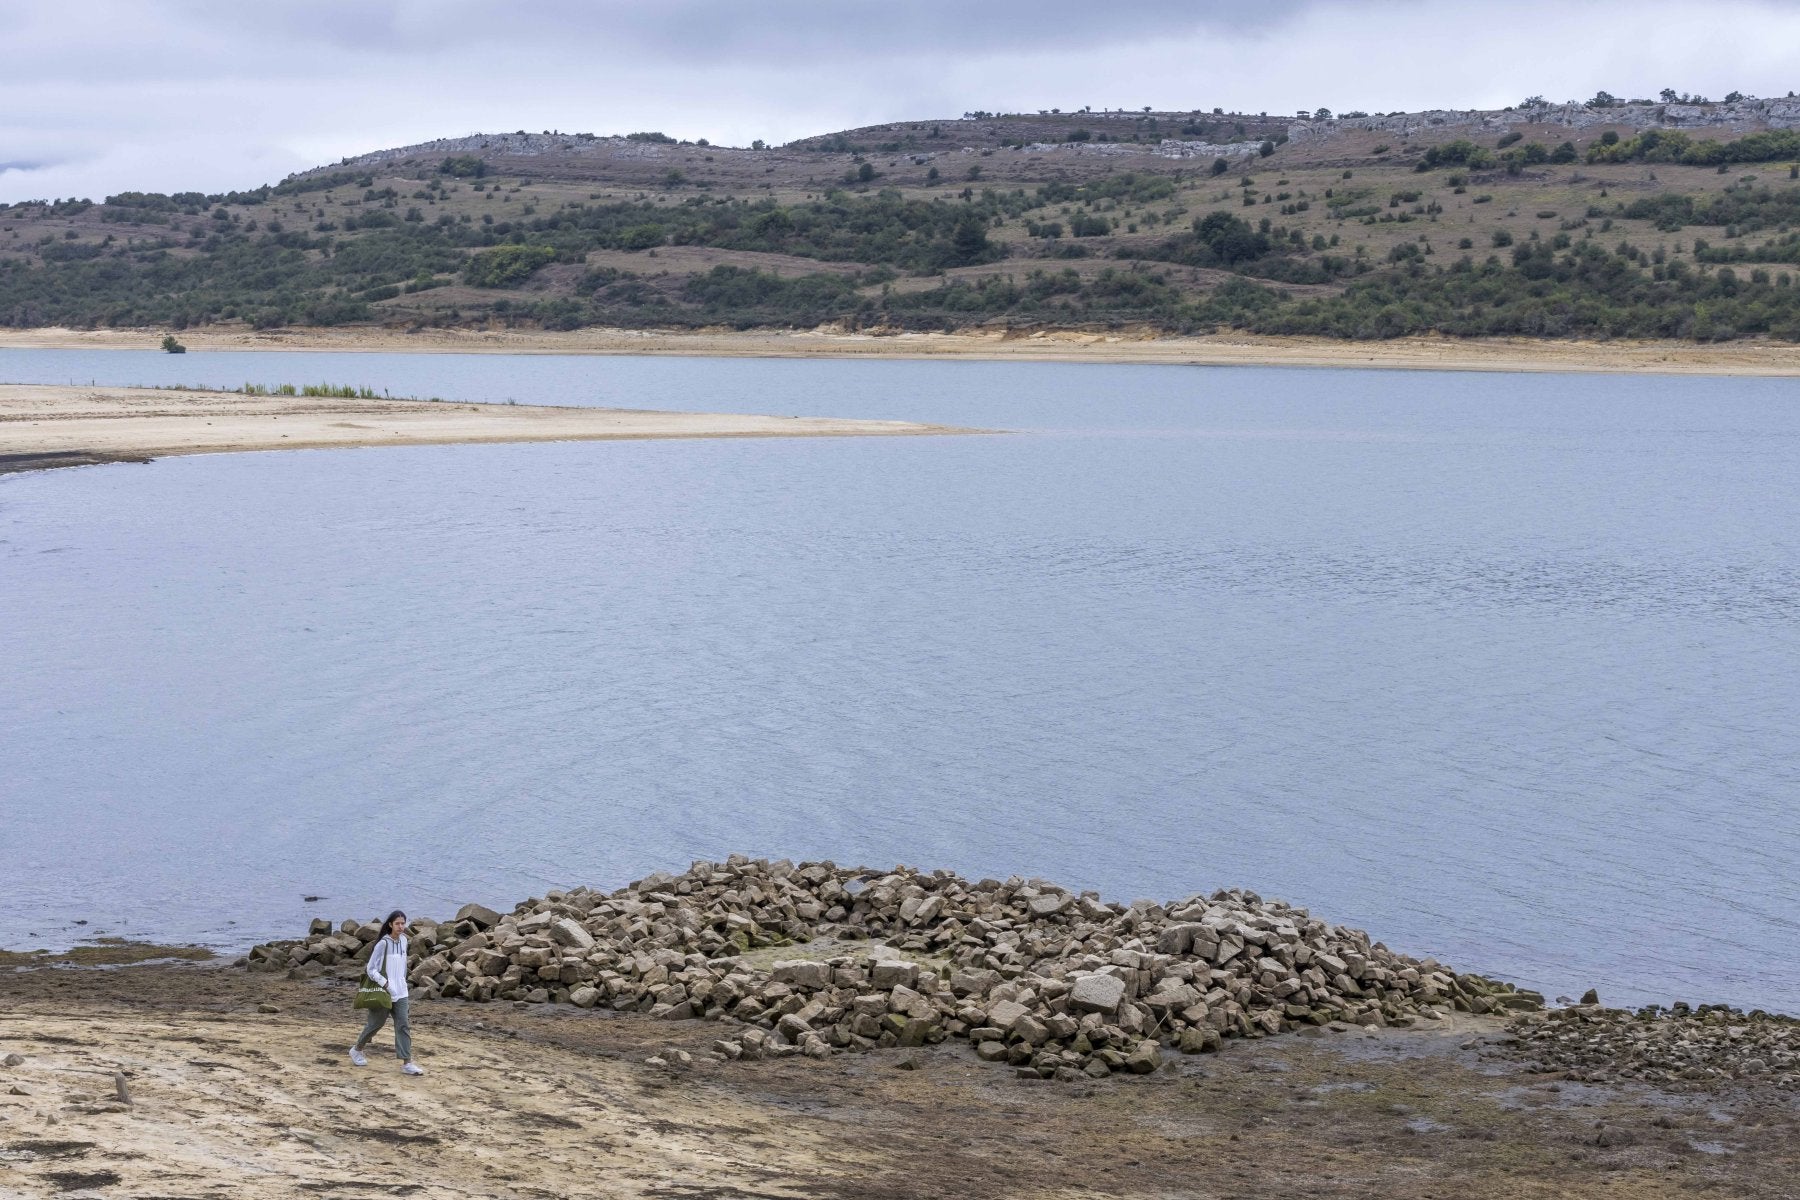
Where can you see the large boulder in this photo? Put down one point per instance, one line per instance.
(889, 974)
(1143, 1058)
(801, 972)
(904, 1000)
(1002, 1013)
(1172, 994)
(1097, 993)
(565, 931)
(973, 982)
(479, 915)
(1199, 1039)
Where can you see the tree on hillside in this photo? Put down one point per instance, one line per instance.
(463, 166)
(1230, 238)
(506, 265)
(970, 241)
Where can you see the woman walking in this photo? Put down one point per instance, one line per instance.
(387, 969)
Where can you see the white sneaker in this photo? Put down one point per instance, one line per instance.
(413, 1069)
(357, 1059)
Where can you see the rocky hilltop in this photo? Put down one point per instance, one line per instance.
(1110, 134)
(815, 959)
(1746, 115)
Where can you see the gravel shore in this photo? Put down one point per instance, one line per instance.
(239, 1086)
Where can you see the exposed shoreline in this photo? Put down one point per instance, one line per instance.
(239, 1085)
(701, 1060)
(44, 426)
(1742, 358)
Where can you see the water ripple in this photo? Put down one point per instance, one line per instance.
(1498, 668)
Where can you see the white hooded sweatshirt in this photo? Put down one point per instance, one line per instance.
(387, 966)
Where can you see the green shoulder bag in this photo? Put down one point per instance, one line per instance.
(370, 994)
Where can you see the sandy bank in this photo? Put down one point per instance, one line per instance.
(1229, 349)
(60, 425)
(239, 1086)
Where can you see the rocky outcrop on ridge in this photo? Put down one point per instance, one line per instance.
(815, 958)
(516, 145)
(1744, 115)
(1166, 148)
(1739, 116)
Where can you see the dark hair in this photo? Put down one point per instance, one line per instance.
(387, 926)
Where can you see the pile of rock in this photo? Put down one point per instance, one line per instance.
(1679, 1046)
(1052, 982)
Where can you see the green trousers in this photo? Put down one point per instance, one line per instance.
(402, 1029)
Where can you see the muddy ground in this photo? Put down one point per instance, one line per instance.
(239, 1086)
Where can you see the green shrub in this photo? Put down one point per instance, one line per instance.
(463, 166)
(1459, 153)
(506, 265)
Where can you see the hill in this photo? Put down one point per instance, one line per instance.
(1678, 218)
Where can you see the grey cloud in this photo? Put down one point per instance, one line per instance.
(174, 38)
(954, 28)
(214, 94)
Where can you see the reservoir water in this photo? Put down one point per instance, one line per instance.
(1502, 668)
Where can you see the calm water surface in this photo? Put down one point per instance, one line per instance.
(1501, 668)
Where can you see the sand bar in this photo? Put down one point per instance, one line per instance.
(1225, 349)
(61, 425)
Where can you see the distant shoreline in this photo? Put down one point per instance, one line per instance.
(57, 426)
(1743, 358)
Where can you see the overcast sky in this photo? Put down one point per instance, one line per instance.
(101, 96)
